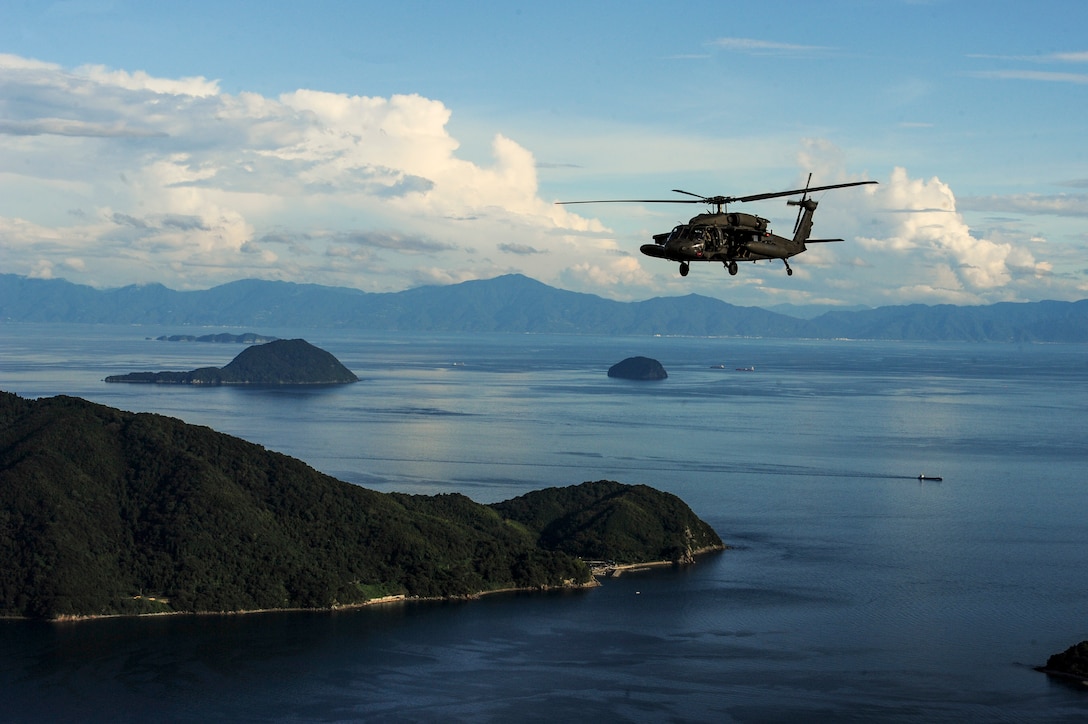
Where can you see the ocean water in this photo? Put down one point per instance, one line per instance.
(851, 591)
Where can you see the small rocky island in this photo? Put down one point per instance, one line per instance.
(282, 362)
(221, 338)
(638, 368)
(1069, 664)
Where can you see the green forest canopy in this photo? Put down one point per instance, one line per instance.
(107, 512)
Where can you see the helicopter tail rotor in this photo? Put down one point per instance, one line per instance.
(802, 228)
(801, 204)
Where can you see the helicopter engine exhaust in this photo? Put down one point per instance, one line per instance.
(767, 249)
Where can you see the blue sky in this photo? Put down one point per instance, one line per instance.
(387, 145)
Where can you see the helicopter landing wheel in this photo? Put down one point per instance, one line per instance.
(684, 268)
(732, 267)
(789, 272)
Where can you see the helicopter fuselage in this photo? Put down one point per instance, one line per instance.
(722, 237)
(729, 237)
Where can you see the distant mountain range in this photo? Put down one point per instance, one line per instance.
(518, 304)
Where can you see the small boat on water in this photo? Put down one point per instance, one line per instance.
(935, 478)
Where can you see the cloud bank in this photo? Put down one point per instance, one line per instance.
(928, 231)
(128, 178)
(110, 177)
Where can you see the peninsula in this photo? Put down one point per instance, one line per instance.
(1069, 664)
(109, 512)
(281, 362)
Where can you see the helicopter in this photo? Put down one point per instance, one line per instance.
(729, 237)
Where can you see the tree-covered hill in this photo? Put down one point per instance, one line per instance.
(104, 511)
(607, 520)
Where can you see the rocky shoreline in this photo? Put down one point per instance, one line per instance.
(1070, 665)
(599, 569)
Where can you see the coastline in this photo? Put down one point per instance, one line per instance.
(617, 570)
(610, 569)
(605, 569)
(1064, 675)
(380, 601)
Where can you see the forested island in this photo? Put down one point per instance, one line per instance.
(220, 338)
(106, 512)
(281, 362)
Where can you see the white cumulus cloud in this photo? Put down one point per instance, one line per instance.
(923, 224)
(173, 180)
(112, 177)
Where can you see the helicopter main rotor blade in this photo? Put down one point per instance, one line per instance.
(682, 191)
(720, 200)
(794, 192)
(699, 200)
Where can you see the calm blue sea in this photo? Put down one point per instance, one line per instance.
(853, 592)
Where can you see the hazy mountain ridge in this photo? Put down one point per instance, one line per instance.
(517, 304)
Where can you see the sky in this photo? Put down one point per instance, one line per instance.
(386, 146)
